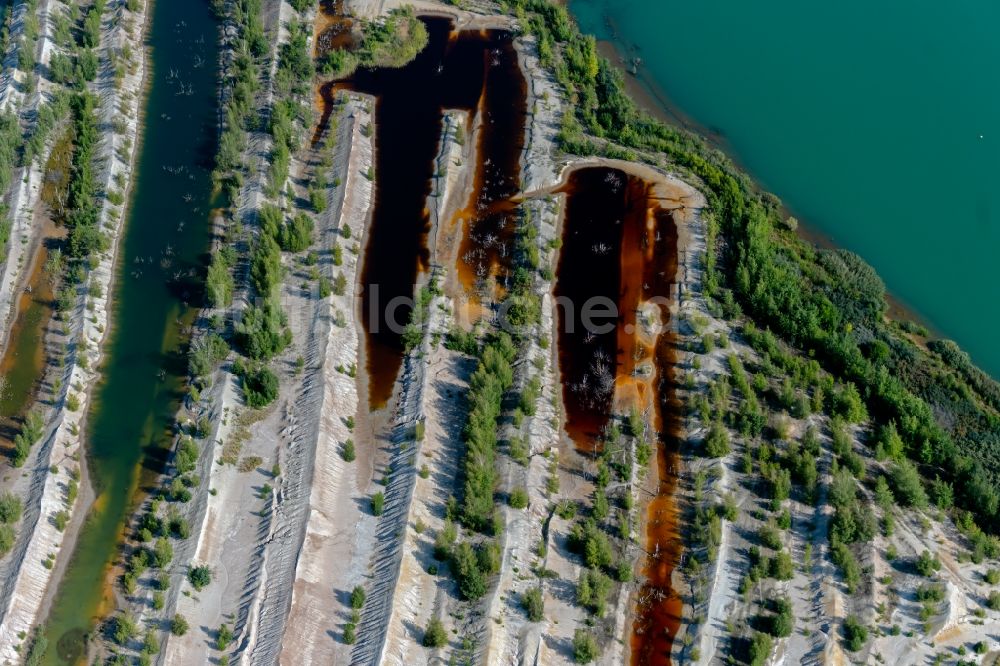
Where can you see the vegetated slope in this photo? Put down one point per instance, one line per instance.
(828, 304)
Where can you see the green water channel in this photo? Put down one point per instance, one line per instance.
(877, 123)
(159, 273)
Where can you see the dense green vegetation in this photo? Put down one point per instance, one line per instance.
(491, 380)
(85, 236)
(389, 43)
(829, 304)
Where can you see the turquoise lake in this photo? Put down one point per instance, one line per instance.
(878, 124)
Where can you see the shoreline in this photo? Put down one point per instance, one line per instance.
(649, 97)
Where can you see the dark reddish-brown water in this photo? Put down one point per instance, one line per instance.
(451, 72)
(489, 218)
(333, 28)
(587, 281)
(620, 249)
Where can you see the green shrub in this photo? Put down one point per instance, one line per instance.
(760, 648)
(178, 625)
(717, 441)
(224, 636)
(855, 633)
(584, 647)
(10, 507)
(260, 386)
(7, 536)
(378, 503)
(125, 628)
(533, 604)
(357, 597)
(347, 452)
(435, 635)
(199, 577)
(927, 564)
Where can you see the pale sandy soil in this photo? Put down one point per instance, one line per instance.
(955, 624)
(340, 526)
(258, 552)
(419, 596)
(26, 589)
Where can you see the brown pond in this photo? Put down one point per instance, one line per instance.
(620, 251)
(456, 70)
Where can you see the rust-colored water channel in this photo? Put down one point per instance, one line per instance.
(467, 70)
(616, 273)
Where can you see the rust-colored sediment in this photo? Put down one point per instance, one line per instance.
(23, 364)
(658, 615)
(620, 244)
(332, 28)
(24, 358)
(489, 218)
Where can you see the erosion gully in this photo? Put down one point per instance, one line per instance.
(157, 291)
(620, 245)
(474, 71)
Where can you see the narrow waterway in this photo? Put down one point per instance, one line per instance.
(619, 256)
(452, 72)
(157, 291)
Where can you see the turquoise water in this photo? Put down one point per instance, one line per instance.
(878, 124)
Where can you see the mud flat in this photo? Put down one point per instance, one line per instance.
(28, 588)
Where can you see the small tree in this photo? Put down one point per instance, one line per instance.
(584, 647)
(717, 441)
(518, 498)
(927, 564)
(533, 604)
(179, 625)
(855, 633)
(199, 577)
(780, 566)
(124, 628)
(760, 648)
(357, 597)
(378, 503)
(435, 635)
(347, 452)
(10, 508)
(225, 635)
